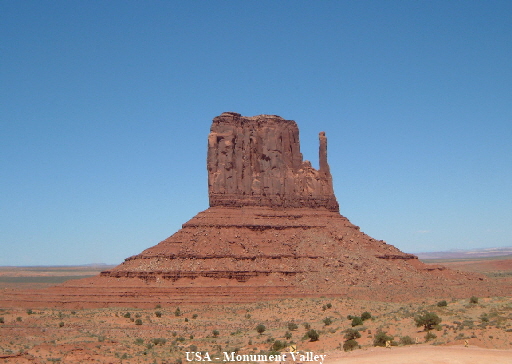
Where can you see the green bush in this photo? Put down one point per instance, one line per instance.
(159, 341)
(366, 316)
(138, 322)
(306, 325)
(215, 333)
(313, 335)
(278, 345)
(442, 303)
(260, 329)
(292, 326)
(352, 334)
(430, 336)
(177, 312)
(380, 339)
(350, 345)
(2, 320)
(327, 321)
(158, 314)
(127, 315)
(406, 340)
(473, 300)
(139, 341)
(428, 320)
(356, 321)
(287, 335)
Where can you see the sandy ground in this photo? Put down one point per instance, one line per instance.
(423, 355)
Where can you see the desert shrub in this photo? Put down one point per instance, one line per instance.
(429, 336)
(406, 340)
(442, 303)
(19, 319)
(287, 335)
(194, 316)
(352, 334)
(327, 321)
(2, 320)
(306, 325)
(366, 316)
(329, 305)
(61, 324)
(278, 345)
(260, 329)
(138, 322)
(313, 335)
(160, 341)
(380, 338)
(186, 319)
(473, 300)
(215, 333)
(127, 315)
(192, 348)
(350, 317)
(158, 313)
(139, 341)
(292, 326)
(428, 320)
(30, 312)
(177, 312)
(356, 321)
(350, 345)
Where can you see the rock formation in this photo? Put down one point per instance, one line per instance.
(256, 161)
(272, 230)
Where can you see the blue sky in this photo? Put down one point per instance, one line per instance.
(105, 108)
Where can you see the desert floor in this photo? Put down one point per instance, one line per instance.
(165, 333)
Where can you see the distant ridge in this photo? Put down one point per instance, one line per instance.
(462, 254)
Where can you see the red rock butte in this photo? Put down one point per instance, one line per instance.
(273, 230)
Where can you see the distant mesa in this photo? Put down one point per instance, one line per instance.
(273, 230)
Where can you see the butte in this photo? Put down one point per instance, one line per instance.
(273, 230)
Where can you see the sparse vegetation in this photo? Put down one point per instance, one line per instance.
(473, 300)
(313, 335)
(260, 329)
(442, 303)
(406, 340)
(428, 320)
(327, 321)
(366, 316)
(350, 345)
(356, 321)
(381, 338)
(292, 326)
(172, 336)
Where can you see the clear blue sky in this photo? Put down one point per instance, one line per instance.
(105, 108)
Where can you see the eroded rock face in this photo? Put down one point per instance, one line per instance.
(256, 161)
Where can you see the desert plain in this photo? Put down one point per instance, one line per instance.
(472, 330)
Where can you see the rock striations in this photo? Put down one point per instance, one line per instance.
(256, 161)
(272, 230)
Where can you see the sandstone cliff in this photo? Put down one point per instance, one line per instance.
(256, 161)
